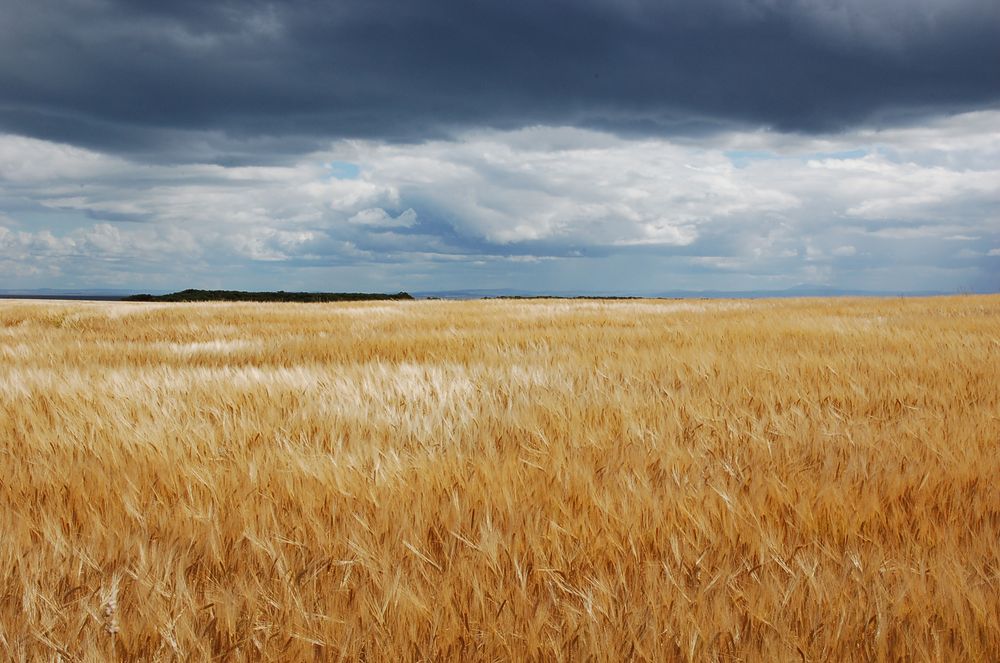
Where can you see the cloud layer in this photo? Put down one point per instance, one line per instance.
(557, 208)
(252, 80)
(633, 145)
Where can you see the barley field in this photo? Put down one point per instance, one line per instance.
(762, 480)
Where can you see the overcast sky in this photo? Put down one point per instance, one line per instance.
(600, 145)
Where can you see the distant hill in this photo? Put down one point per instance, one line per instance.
(796, 291)
(279, 296)
(192, 295)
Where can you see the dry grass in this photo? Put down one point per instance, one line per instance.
(653, 481)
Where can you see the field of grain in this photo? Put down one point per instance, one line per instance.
(496, 480)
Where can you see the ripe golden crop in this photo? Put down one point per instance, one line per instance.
(500, 480)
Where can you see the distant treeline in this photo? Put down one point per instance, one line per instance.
(279, 296)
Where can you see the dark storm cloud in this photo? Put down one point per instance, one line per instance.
(144, 76)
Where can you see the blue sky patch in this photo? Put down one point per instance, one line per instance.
(344, 170)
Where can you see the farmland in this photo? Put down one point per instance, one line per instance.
(484, 480)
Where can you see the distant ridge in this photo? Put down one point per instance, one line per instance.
(191, 295)
(796, 291)
(194, 295)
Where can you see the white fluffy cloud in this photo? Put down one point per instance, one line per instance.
(569, 186)
(862, 208)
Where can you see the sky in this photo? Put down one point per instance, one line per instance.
(607, 146)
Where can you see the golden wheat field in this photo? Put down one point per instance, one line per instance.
(501, 480)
